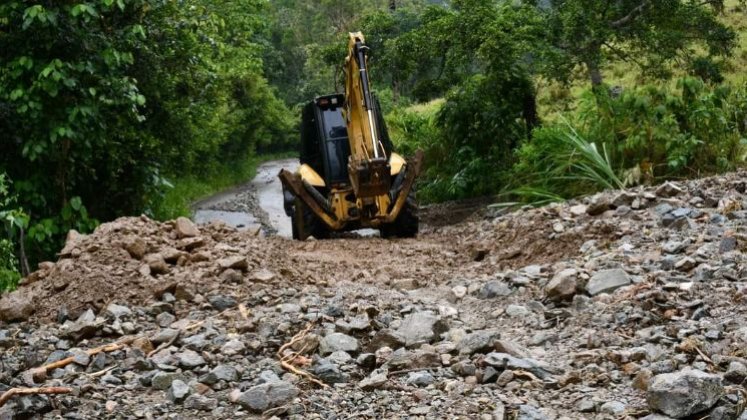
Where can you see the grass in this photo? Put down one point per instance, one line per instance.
(186, 190)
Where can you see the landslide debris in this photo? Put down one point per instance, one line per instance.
(627, 304)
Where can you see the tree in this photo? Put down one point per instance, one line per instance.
(648, 33)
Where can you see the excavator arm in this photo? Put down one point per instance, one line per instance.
(368, 166)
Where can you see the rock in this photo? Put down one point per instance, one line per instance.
(684, 393)
(528, 412)
(420, 379)
(489, 375)
(613, 408)
(459, 292)
(329, 372)
(16, 306)
(599, 204)
(506, 361)
(81, 357)
(163, 380)
(222, 302)
(510, 347)
(136, 247)
(727, 244)
(405, 284)
(478, 341)
(667, 190)
(85, 326)
(219, 373)
(190, 359)
(464, 368)
(675, 247)
(586, 405)
(190, 244)
(607, 281)
(357, 324)
(156, 264)
(736, 373)
(118, 311)
(377, 379)
(421, 327)
(685, 264)
(625, 198)
(578, 210)
(164, 319)
(200, 402)
(387, 338)
(366, 360)
(262, 397)
(562, 286)
(231, 276)
(164, 335)
(111, 379)
(236, 262)
(233, 347)
(261, 275)
(422, 358)
(185, 228)
(178, 391)
(493, 289)
(515, 311)
(289, 308)
(337, 342)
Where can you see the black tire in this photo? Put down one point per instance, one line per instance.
(306, 224)
(406, 223)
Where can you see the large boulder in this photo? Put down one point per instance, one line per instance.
(682, 394)
(16, 306)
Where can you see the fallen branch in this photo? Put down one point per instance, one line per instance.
(288, 366)
(7, 395)
(41, 371)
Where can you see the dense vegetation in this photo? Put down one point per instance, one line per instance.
(119, 107)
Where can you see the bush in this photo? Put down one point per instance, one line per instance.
(10, 219)
(648, 133)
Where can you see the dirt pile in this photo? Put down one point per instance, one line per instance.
(627, 304)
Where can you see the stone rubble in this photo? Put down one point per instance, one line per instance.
(633, 310)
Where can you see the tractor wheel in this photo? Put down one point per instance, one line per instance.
(406, 223)
(306, 224)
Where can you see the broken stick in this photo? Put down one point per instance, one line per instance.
(41, 371)
(289, 367)
(32, 391)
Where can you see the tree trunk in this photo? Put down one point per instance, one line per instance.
(531, 117)
(595, 74)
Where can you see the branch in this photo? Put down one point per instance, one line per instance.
(32, 391)
(630, 16)
(41, 371)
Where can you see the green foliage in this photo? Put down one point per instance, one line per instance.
(647, 133)
(102, 101)
(648, 34)
(11, 219)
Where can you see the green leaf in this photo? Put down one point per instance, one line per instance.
(76, 203)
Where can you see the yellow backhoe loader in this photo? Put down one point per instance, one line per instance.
(350, 177)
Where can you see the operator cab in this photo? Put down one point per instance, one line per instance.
(324, 138)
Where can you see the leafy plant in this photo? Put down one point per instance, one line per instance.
(11, 219)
